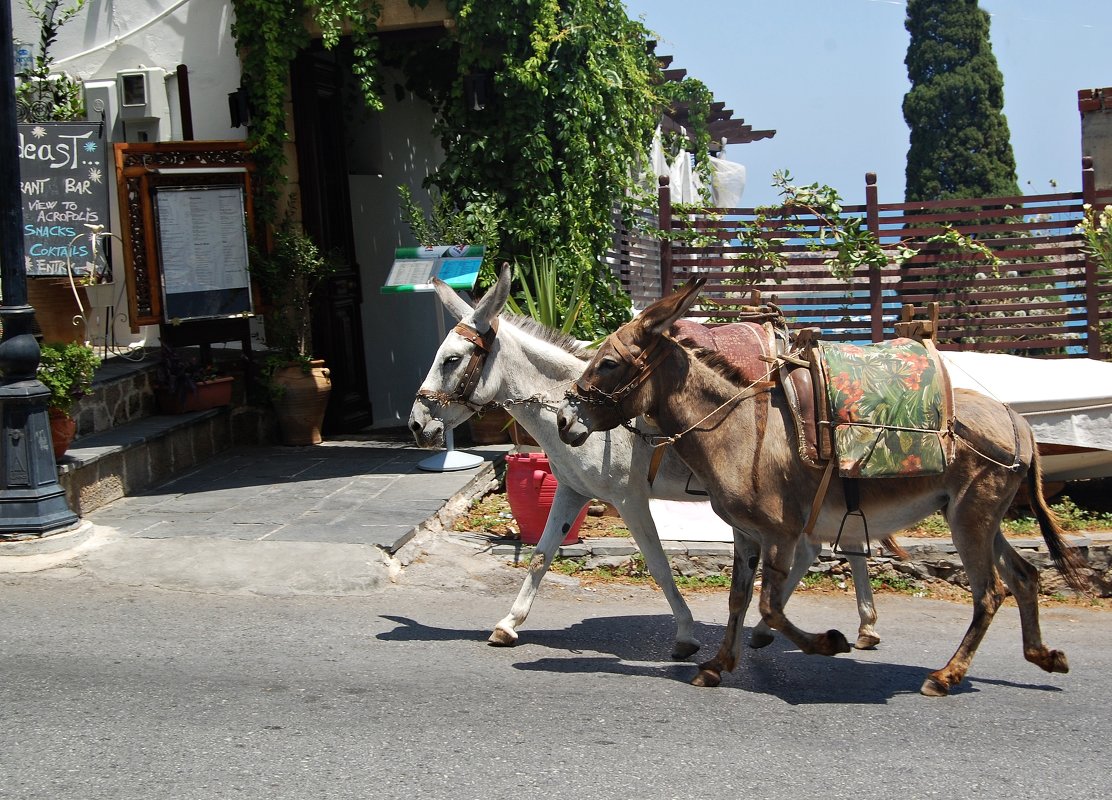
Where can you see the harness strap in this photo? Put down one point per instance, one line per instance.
(654, 462)
(820, 496)
(997, 455)
(646, 364)
(483, 343)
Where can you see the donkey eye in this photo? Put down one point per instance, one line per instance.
(452, 360)
(608, 363)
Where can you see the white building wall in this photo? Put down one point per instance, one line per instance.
(108, 36)
(389, 148)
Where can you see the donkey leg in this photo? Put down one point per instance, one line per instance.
(776, 570)
(805, 553)
(974, 527)
(867, 637)
(566, 505)
(1023, 581)
(636, 515)
(747, 554)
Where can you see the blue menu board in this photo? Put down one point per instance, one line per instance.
(415, 267)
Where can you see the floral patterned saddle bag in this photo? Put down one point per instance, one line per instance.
(881, 410)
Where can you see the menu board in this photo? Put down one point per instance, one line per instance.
(62, 181)
(415, 267)
(202, 246)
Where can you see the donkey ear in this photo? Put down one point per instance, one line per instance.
(660, 316)
(492, 302)
(455, 304)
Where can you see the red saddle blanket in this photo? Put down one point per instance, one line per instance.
(747, 345)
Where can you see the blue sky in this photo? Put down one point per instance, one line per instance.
(829, 77)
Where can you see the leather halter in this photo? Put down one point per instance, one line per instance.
(645, 364)
(482, 343)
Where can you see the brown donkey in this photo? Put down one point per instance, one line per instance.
(738, 440)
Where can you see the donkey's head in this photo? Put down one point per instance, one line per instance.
(459, 381)
(615, 386)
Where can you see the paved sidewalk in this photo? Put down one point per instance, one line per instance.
(343, 491)
(269, 520)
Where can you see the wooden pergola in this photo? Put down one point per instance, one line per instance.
(722, 125)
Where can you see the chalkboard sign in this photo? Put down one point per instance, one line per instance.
(63, 169)
(202, 247)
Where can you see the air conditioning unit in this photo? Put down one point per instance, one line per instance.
(143, 104)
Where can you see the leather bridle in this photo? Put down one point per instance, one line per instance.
(644, 364)
(482, 343)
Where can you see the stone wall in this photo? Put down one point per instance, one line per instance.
(928, 560)
(1095, 106)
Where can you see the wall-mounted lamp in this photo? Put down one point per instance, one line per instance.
(239, 109)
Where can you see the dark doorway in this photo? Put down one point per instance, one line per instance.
(318, 105)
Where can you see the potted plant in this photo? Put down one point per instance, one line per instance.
(66, 370)
(186, 384)
(289, 275)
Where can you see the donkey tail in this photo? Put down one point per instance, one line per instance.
(1065, 557)
(895, 549)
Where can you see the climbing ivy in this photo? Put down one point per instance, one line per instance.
(574, 94)
(569, 94)
(694, 94)
(269, 34)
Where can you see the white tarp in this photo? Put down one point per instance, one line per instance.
(1067, 401)
(729, 182)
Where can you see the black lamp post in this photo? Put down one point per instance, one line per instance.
(31, 499)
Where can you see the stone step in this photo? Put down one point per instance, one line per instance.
(128, 458)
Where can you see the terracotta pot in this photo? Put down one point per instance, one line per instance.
(209, 394)
(63, 428)
(530, 486)
(300, 402)
(55, 308)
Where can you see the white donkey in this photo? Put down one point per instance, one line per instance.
(488, 361)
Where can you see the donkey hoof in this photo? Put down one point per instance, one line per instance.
(759, 639)
(836, 642)
(1055, 661)
(707, 678)
(932, 687)
(684, 650)
(502, 638)
(866, 641)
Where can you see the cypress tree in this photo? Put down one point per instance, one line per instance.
(960, 144)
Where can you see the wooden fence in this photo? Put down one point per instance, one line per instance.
(1044, 297)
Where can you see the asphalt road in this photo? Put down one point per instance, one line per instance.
(116, 691)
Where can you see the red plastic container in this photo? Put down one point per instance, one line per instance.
(530, 486)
